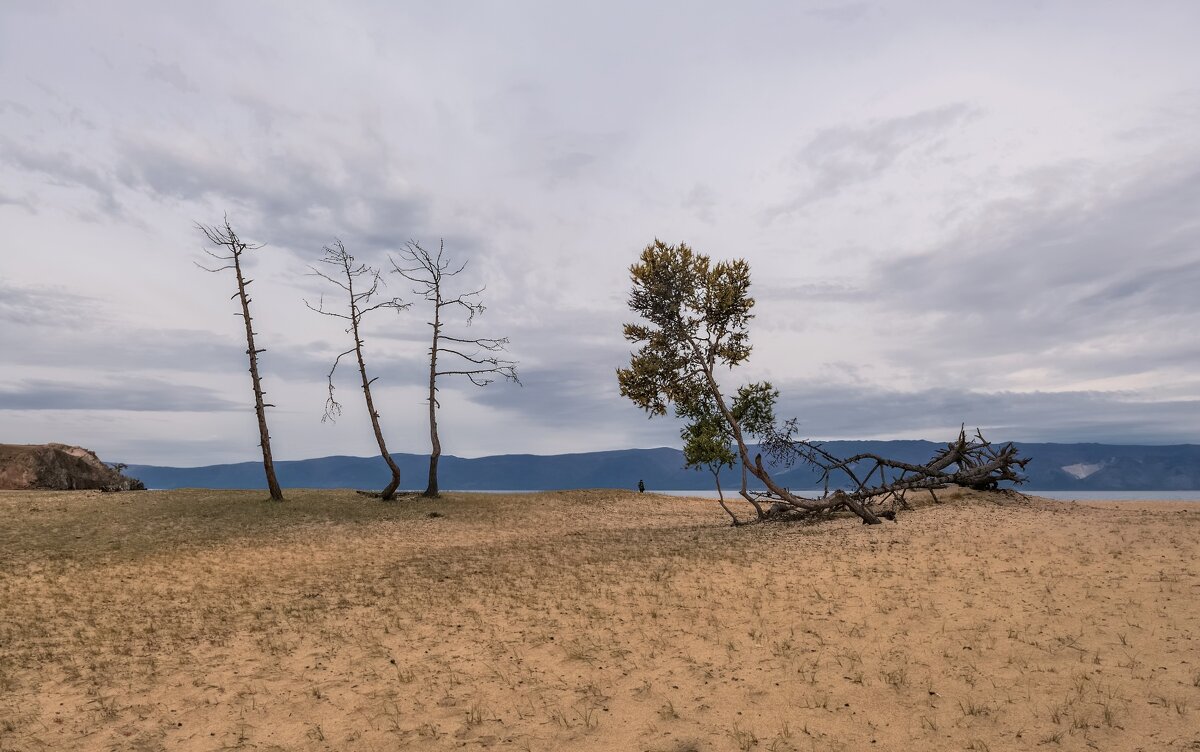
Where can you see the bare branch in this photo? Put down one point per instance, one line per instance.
(972, 463)
(483, 342)
(427, 272)
(333, 408)
(347, 276)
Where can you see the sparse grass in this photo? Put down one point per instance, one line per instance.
(1053, 738)
(586, 620)
(972, 708)
(743, 739)
(896, 678)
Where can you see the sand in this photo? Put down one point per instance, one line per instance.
(601, 620)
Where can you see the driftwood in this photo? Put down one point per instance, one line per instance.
(877, 486)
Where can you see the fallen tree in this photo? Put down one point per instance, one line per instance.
(879, 486)
(696, 316)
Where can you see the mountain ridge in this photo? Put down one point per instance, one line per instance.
(1054, 467)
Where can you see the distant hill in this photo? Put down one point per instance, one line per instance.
(1055, 467)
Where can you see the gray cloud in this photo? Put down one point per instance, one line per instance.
(854, 412)
(569, 379)
(299, 198)
(28, 202)
(1007, 239)
(22, 305)
(701, 201)
(1074, 275)
(63, 169)
(844, 13)
(574, 397)
(837, 159)
(137, 395)
(51, 329)
(170, 73)
(7, 105)
(182, 451)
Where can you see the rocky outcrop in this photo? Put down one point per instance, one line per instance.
(58, 467)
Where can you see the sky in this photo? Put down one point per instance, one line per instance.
(981, 213)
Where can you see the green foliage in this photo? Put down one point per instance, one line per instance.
(754, 408)
(697, 314)
(708, 438)
(707, 441)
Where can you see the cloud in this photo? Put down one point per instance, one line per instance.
(7, 105)
(299, 197)
(1002, 227)
(1088, 272)
(62, 168)
(171, 74)
(569, 382)
(25, 305)
(865, 411)
(701, 200)
(50, 329)
(28, 202)
(836, 159)
(136, 395)
(844, 13)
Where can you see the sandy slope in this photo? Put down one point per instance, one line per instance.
(194, 620)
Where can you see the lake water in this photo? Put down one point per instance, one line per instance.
(812, 493)
(1060, 495)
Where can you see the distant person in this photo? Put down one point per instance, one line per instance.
(641, 487)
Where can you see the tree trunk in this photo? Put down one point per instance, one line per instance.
(259, 403)
(389, 493)
(721, 498)
(431, 490)
(756, 468)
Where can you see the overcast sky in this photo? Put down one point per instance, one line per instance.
(954, 212)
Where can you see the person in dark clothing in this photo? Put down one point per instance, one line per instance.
(641, 487)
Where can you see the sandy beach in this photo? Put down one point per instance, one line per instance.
(592, 620)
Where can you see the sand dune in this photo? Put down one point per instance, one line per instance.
(192, 620)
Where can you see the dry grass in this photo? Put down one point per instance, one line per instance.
(196, 620)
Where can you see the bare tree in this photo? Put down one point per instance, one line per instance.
(223, 237)
(359, 304)
(474, 358)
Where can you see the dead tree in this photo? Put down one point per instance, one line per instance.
(474, 358)
(233, 247)
(359, 304)
(879, 485)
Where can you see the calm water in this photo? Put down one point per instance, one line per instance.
(1062, 495)
(1120, 495)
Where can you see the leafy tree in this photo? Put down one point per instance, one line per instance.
(697, 316)
(706, 445)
